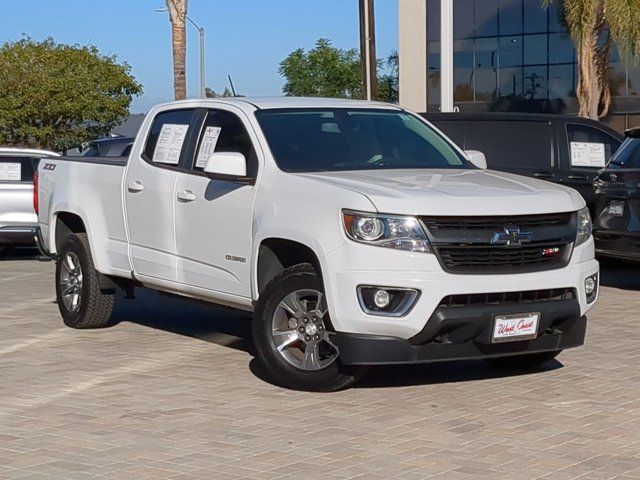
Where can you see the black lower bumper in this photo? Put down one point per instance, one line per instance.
(466, 333)
(16, 235)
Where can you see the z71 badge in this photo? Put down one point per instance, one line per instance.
(49, 166)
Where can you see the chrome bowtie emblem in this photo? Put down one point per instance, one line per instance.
(511, 237)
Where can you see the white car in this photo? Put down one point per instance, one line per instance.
(18, 219)
(356, 232)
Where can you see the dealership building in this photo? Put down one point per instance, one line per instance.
(509, 55)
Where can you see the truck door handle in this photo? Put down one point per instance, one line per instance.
(186, 196)
(136, 186)
(543, 175)
(578, 177)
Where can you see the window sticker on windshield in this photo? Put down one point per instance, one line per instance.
(587, 154)
(11, 172)
(170, 143)
(208, 145)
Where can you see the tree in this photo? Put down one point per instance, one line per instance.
(595, 26)
(388, 81)
(57, 96)
(323, 71)
(178, 16)
(211, 93)
(327, 71)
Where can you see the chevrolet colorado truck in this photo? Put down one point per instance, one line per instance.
(355, 232)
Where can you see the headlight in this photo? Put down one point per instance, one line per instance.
(584, 226)
(402, 233)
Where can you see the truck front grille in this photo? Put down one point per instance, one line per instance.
(502, 244)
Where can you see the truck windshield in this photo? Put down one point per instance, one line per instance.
(321, 140)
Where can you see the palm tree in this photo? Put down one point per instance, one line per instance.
(178, 15)
(595, 25)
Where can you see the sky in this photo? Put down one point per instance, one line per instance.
(246, 39)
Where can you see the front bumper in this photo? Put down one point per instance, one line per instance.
(466, 333)
(351, 265)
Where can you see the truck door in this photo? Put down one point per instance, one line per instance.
(214, 217)
(150, 191)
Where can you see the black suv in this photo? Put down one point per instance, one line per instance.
(617, 206)
(558, 148)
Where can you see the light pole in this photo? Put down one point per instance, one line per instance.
(200, 29)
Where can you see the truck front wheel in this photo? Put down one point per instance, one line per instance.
(81, 301)
(291, 337)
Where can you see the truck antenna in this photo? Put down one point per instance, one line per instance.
(233, 90)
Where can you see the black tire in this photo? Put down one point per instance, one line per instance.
(528, 361)
(94, 306)
(330, 378)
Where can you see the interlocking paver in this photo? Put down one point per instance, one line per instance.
(172, 391)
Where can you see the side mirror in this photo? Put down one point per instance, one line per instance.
(227, 166)
(477, 158)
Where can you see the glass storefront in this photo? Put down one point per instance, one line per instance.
(515, 55)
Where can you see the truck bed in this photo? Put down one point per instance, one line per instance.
(93, 187)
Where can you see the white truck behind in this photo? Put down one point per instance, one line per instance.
(356, 232)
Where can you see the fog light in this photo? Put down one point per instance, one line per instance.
(589, 285)
(591, 288)
(386, 301)
(382, 299)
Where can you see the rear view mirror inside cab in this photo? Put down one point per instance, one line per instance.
(477, 158)
(227, 166)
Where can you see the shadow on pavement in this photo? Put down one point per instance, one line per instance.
(18, 253)
(225, 327)
(442, 372)
(232, 329)
(619, 274)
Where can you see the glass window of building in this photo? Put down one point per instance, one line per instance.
(535, 83)
(510, 51)
(463, 15)
(561, 48)
(535, 16)
(486, 18)
(561, 81)
(510, 17)
(535, 49)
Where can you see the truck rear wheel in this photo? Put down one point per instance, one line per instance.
(528, 361)
(80, 300)
(291, 337)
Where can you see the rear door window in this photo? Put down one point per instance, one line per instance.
(590, 147)
(167, 137)
(17, 169)
(512, 145)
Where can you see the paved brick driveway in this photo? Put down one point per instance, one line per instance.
(172, 392)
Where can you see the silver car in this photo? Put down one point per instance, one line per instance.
(17, 216)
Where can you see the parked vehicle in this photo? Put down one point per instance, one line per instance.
(561, 149)
(356, 233)
(617, 190)
(108, 147)
(17, 217)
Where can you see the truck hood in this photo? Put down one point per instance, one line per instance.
(454, 192)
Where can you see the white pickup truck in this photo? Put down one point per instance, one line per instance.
(356, 232)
